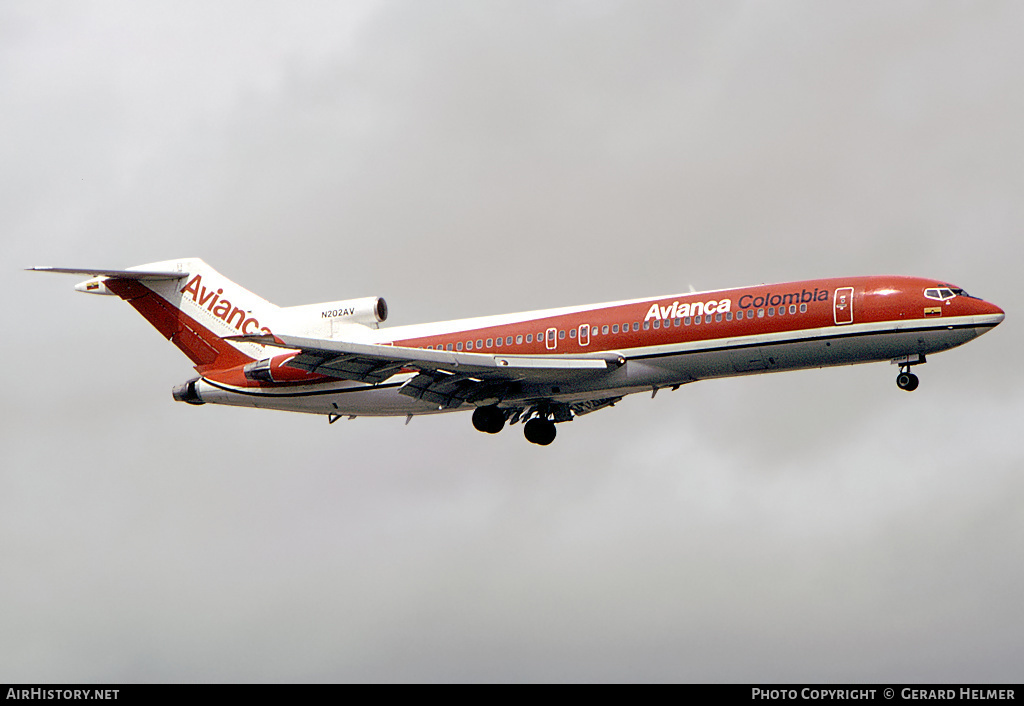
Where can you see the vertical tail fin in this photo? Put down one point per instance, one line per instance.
(192, 305)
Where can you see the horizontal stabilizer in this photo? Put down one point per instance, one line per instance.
(116, 274)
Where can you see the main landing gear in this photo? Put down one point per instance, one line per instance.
(489, 420)
(537, 430)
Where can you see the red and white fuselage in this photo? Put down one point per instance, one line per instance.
(546, 366)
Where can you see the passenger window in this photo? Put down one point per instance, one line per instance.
(771, 311)
(657, 323)
(803, 308)
(448, 347)
(686, 321)
(499, 341)
(676, 323)
(718, 318)
(593, 331)
(479, 343)
(469, 345)
(508, 340)
(561, 335)
(615, 328)
(697, 319)
(636, 325)
(458, 346)
(519, 338)
(604, 329)
(760, 313)
(792, 308)
(572, 333)
(728, 316)
(529, 338)
(490, 342)
(647, 325)
(750, 313)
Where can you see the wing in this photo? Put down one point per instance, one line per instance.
(445, 378)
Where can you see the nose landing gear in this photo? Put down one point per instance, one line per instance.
(906, 380)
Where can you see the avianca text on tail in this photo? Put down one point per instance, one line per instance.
(537, 368)
(222, 309)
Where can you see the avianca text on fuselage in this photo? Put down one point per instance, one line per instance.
(678, 311)
(222, 308)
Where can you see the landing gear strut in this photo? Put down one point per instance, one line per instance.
(906, 380)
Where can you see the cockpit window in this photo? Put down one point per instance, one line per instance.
(943, 293)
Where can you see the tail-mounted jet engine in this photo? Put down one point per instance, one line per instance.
(331, 319)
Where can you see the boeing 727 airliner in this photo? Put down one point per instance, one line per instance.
(539, 367)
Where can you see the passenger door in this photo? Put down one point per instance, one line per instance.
(842, 306)
(552, 339)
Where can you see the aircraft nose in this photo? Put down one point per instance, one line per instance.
(989, 313)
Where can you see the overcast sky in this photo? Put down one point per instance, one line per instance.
(469, 158)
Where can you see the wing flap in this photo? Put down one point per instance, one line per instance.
(443, 390)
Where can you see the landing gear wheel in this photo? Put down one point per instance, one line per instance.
(489, 420)
(907, 381)
(539, 431)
